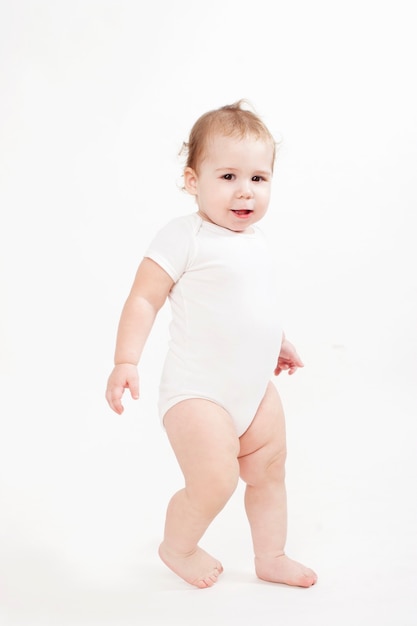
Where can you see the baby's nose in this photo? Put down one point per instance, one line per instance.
(246, 191)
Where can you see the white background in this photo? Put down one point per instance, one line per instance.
(96, 98)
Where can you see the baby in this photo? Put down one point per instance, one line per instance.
(220, 410)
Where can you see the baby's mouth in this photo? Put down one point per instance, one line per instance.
(241, 212)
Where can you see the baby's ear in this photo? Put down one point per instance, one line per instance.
(190, 181)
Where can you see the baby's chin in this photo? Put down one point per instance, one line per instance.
(237, 221)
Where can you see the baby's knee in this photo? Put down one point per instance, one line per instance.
(223, 483)
(214, 490)
(275, 467)
(260, 468)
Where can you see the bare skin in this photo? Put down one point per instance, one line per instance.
(262, 466)
(212, 458)
(204, 441)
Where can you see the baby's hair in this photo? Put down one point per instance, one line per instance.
(231, 120)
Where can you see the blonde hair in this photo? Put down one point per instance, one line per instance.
(231, 120)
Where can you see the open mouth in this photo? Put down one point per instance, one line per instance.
(242, 212)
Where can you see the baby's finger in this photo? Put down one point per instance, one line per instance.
(114, 399)
(134, 390)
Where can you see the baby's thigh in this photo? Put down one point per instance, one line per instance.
(204, 440)
(264, 443)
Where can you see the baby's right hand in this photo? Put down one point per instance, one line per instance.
(124, 376)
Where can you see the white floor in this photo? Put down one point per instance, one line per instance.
(83, 514)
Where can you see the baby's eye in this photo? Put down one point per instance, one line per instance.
(228, 176)
(257, 179)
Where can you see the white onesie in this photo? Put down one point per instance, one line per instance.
(225, 334)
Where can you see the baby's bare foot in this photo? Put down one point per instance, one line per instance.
(281, 569)
(198, 568)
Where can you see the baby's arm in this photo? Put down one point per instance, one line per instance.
(288, 358)
(149, 292)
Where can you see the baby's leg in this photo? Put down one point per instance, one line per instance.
(262, 466)
(204, 441)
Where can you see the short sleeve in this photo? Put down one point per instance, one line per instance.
(173, 247)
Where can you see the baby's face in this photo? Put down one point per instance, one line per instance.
(233, 184)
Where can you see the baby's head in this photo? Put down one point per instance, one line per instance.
(229, 165)
(232, 120)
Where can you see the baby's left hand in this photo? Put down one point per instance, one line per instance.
(288, 359)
